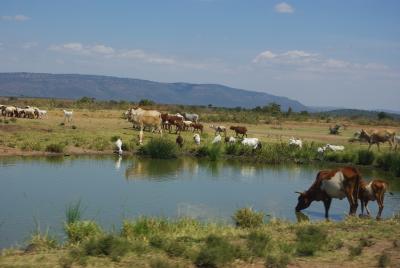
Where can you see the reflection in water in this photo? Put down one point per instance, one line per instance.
(118, 163)
(300, 216)
(147, 168)
(196, 211)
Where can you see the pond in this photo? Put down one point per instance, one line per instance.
(35, 191)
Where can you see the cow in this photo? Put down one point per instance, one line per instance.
(239, 130)
(144, 118)
(191, 117)
(197, 127)
(219, 129)
(68, 115)
(378, 136)
(338, 183)
(371, 191)
(252, 142)
(295, 142)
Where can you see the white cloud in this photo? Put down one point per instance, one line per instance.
(29, 45)
(339, 64)
(15, 18)
(300, 60)
(103, 51)
(288, 57)
(284, 8)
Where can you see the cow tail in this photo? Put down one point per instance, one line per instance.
(358, 182)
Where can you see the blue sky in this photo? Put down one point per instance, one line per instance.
(322, 53)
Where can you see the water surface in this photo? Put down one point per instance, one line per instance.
(112, 189)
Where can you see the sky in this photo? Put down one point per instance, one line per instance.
(321, 53)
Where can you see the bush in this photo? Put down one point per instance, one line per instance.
(258, 243)
(365, 157)
(248, 218)
(310, 239)
(384, 260)
(143, 227)
(109, 245)
(31, 146)
(277, 261)
(215, 152)
(74, 127)
(55, 148)
(216, 252)
(79, 231)
(159, 148)
(41, 242)
(389, 162)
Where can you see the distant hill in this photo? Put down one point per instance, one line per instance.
(75, 86)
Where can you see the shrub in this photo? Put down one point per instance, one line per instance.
(31, 146)
(365, 157)
(109, 245)
(114, 138)
(159, 148)
(143, 227)
(41, 242)
(384, 260)
(215, 152)
(277, 260)
(258, 243)
(73, 212)
(355, 251)
(310, 239)
(216, 252)
(74, 127)
(248, 218)
(79, 231)
(389, 162)
(55, 148)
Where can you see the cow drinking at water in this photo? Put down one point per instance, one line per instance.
(338, 183)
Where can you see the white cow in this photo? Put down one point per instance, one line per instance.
(252, 142)
(232, 139)
(196, 138)
(296, 142)
(68, 115)
(151, 118)
(217, 139)
(118, 143)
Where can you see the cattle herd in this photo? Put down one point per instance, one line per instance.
(26, 112)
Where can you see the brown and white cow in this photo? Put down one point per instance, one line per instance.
(337, 183)
(372, 191)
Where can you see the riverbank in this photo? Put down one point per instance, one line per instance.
(151, 242)
(95, 132)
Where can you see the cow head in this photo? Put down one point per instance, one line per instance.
(304, 201)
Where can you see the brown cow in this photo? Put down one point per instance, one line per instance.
(378, 136)
(239, 130)
(337, 183)
(371, 191)
(198, 127)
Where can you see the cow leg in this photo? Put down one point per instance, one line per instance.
(362, 207)
(327, 205)
(379, 200)
(366, 207)
(353, 203)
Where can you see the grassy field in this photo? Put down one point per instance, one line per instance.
(151, 242)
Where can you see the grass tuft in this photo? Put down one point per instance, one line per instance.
(248, 218)
(310, 239)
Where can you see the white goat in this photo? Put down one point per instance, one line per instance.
(296, 142)
(196, 138)
(334, 147)
(118, 143)
(68, 115)
(42, 113)
(232, 139)
(217, 139)
(252, 142)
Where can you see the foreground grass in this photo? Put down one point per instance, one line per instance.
(151, 242)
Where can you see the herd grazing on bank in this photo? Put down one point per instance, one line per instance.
(338, 183)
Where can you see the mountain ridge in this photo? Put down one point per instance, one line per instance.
(110, 87)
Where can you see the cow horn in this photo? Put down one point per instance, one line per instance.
(297, 192)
